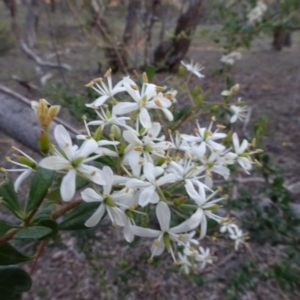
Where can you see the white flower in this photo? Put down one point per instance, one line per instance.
(106, 119)
(108, 202)
(184, 263)
(214, 163)
(146, 99)
(166, 234)
(105, 91)
(204, 257)
(228, 226)
(194, 68)
(185, 169)
(256, 14)
(243, 157)
(27, 165)
(204, 206)
(72, 160)
(142, 148)
(231, 58)
(207, 137)
(148, 193)
(239, 112)
(238, 236)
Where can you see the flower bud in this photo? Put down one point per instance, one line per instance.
(179, 201)
(115, 130)
(26, 161)
(97, 134)
(181, 71)
(44, 142)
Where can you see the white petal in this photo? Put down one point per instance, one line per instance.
(94, 219)
(145, 232)
(148, 195)
(88, 147)
(54, 163)
(92, 173)
(21, 178)
(192, 192)
(163, 215)
(243, 146)
(68, 188)
(149, 171)
(127, 232)
(89, 195)
(134, 183)
(62, 136)
(168, 114)
(236, 143)
(118, 215)
(171, 177)
(144, 118)
(124, 108)
(203, 229)
(156, 251)
(109, 179)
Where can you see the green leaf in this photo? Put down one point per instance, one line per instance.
(77, 217)
(150, 71)
(54, 195)
(11, 256)
(33, 232)
(198, 279)
(184, 110)
(40, 184)
(9, 197)
(50, 224)
(14, 281)
(5, 226)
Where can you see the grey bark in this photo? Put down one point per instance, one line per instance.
(18, 120)
(32, 23)
(169, 53)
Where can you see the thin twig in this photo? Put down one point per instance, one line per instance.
(37, 255)
(39, 61)
(8, 235)
(65, 208)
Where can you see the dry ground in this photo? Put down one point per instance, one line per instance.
(108, 268)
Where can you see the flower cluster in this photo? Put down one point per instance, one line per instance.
(146, 170)
(256, 13)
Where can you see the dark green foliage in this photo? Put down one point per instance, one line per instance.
(13, 282)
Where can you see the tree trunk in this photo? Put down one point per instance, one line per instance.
(115, 52)
(281, 38)
(31, 24)
(168, 54)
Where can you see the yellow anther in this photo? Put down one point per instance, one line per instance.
(213, 118)
(156, 243)
(257, 163)
(108, 73)
(134, 87)
(220, 126)
(158, 103)
(145, 78)
(114, 224)
(138, 148)
(159, 88)
(220, 189)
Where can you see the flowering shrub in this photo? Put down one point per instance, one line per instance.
(245, 20)
(131, 161)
